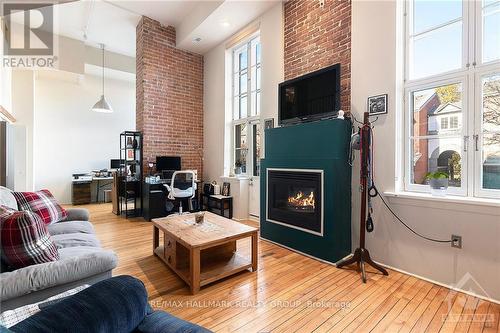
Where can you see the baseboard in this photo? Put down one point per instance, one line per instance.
(440, 283)
(254, 218)
(392, 268)
(297, 251)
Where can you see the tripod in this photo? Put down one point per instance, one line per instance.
(361, 254)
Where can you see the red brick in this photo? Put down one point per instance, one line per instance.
(169, 96)
(318, 37)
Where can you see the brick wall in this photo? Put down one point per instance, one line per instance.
(318, 37)
(169, 96)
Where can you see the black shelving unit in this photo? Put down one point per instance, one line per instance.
(131, 174)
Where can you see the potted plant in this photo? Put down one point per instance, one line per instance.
(237, 167)
(438, 182)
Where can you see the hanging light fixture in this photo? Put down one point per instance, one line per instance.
(102, 104)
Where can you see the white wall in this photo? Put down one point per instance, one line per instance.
(23, 111)
(69, 137)
(375, 68)
(271, 37)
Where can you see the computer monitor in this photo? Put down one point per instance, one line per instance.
(115, 164)
(168, 163)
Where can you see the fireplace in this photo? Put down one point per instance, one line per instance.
(295, 199)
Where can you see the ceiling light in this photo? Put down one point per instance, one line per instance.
(225, 24)
(196, 40)
(102, 104)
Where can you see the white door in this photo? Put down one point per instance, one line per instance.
(254, 172)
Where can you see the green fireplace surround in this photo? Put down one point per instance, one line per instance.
(321, 145)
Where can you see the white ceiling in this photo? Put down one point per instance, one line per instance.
(101, 21)
(113, 22)
(166, 12)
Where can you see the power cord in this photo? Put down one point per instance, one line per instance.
(376, 193)
(373, 192)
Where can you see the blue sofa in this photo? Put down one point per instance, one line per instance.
(116, 305)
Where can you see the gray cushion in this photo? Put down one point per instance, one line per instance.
(71, 227)
(7, 198)
(74, 264)
(74, 240)
(77, 214)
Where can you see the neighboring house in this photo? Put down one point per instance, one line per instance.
(434, 118)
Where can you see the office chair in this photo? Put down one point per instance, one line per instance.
(182, 187)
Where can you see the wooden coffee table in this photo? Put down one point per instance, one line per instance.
(203, 253)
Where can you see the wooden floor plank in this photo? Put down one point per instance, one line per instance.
(492, 323)
(389, 302)
(351, 322)
(283, 286)
(480, 316)
(467, 315)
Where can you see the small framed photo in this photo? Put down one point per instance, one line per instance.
(269, 123)
(377, 105)
(226, 189)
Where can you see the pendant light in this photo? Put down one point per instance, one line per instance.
(102, 104)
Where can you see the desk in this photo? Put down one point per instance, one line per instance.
(82, 187)
(155, 199)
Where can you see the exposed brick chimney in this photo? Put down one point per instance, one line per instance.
(169, 96)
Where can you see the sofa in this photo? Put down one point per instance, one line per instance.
(82, 261)
(118, 304)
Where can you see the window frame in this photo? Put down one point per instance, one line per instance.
(470, 75)
(478, 189)
(250, 119)
(409, 137)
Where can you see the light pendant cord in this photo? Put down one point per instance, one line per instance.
(102, 46)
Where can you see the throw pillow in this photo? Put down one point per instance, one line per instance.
(25, 240)
(42, 203)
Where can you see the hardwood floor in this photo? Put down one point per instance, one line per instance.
(293, 293)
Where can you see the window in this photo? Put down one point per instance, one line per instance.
(452, 95)
(246, 76)
(444, 123)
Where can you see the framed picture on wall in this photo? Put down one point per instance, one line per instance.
(269, 123)
(377, 105)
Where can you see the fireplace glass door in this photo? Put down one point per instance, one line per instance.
(294, 198)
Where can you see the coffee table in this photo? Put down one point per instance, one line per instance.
(203, 253)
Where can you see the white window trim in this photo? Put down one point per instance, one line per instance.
(408, 151)
(477, 172)
(248, 120)
(470, 75)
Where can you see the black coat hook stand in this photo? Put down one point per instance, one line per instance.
(361, 254)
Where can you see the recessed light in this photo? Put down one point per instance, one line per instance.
(196, 40)
(225, 24)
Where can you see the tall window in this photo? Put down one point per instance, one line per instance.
(452, 95)
(246, 107)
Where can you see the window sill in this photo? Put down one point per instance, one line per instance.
(449, 202)
(236, 178)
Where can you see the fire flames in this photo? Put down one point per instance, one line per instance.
(302, 200)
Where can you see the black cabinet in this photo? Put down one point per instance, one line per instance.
(218, 204)
(154, 200)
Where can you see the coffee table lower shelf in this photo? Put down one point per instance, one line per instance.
(211, 269)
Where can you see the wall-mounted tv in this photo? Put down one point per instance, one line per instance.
(310, 97)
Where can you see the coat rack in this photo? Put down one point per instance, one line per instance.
(361, 254)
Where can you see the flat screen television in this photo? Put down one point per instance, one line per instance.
(164, 163)
(310, 97)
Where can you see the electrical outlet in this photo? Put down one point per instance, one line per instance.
(456, 241)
